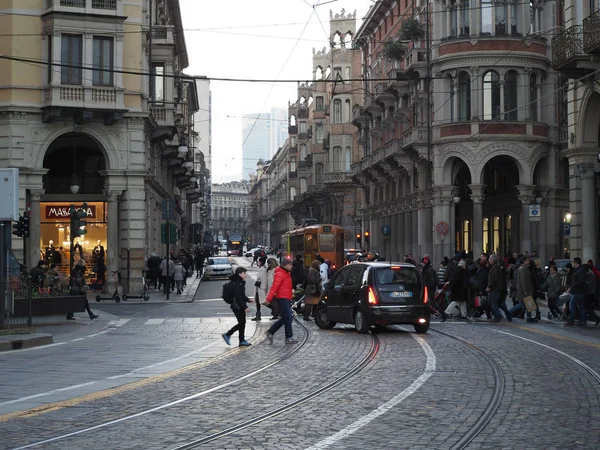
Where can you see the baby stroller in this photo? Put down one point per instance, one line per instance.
(439, 303)
(298, 300)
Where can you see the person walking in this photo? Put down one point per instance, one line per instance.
(458, 291)
(167, 270)
(590, 290)
(313, 289)
(78, 283)
(179, 276)
(495, 286)
(272, 264)
(199, 261)
(525, 286)
(239, 306)
(577, 291)
(281, 293)
(260, 287)
(298, 271)
(553, 288)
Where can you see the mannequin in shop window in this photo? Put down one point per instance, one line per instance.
(50, 252)
(77, 248)
(99, 266)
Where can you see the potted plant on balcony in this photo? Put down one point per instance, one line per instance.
(394, 51)
(412, 30)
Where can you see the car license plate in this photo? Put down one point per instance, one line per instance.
(400, 294)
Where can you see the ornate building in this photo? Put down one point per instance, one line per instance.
(573, 55)
(460, 129)
(83, 127)
(229, 202)
(310, 175)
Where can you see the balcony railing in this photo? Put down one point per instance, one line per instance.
(163, 115)
(86, 6)
(88, 97)
(566, 47)
(337, 177)
(591, 33)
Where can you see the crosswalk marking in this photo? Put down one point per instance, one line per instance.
(154, 321)
(118, 323)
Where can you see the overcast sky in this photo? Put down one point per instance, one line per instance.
(255, 39)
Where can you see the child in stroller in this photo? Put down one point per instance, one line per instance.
(439, 303)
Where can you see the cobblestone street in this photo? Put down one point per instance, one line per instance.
(160, 377)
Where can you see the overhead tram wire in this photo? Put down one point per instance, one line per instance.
(273, 84)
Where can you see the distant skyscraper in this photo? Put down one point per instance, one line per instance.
(279, 129)
(256, 136)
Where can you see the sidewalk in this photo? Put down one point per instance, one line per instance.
(187, 296)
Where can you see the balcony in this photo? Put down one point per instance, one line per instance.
(162, 34)
(164, 116)
(303, 112)
(416, 136)
(591, 33)
(398, 82)
(358, 116)
(567, 52)
(382, 96)
(337, 178)
(102, 7)
(416, 60)
(88, 99)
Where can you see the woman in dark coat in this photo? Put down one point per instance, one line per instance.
(312, 291)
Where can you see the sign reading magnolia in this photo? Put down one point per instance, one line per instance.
(62, 212)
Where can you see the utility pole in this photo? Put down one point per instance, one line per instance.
(427, 84)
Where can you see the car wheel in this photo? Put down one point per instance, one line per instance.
(360, 322)
(322, 320)
(421, 328)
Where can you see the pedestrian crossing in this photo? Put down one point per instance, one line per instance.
(165, 321)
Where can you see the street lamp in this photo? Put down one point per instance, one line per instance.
(183, 148)
(74, 184)
(456, 199)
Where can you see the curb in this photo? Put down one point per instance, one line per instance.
(17, 342)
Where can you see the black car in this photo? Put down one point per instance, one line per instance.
(376, 293)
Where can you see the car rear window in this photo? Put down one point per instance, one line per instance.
(406, 278)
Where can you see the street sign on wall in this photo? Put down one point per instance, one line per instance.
(442, 228)
(535, 213)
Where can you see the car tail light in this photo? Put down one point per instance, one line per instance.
(372, 297)
(395, 267)
(425, 295)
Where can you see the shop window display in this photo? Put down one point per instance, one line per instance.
(55, 236)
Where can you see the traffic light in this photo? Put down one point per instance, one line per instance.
(18, 227)
(26, 225)
(77, 222)
(367, 234)
(358, 238)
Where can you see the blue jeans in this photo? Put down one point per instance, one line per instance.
(286, 318)
(577, 301)
(494, 298)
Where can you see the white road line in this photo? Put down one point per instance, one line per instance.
(357, 425)
(43, 394)
(140, 369)
(572, 358)
(78, 339)
(30, 349)
(121, 322)
(209, 300)
(154, 321)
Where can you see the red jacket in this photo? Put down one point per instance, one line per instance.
(282, 285)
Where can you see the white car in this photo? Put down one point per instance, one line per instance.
(218, 267)
(250, 253)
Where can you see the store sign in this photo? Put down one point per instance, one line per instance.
(62, 212)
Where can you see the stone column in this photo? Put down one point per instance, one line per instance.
(501, 101)
(34, 244)
(441, 212)
(408, 229)
(393, 255)
(414, 248)
(112, 240)
(475, 89)
(477, 196)
(588, 213)
(401, 232)
(526, 198)
(455, 85)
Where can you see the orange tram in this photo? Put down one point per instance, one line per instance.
(312, 240)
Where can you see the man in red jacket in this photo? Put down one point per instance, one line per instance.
(281, 292)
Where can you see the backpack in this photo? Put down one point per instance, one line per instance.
(228, 294)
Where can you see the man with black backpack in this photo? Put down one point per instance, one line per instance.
(234, 294)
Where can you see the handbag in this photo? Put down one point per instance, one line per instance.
(529, 303)
(477, 301)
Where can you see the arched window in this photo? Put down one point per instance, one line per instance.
(319, 73)
(337, 159)
(486, 16)
(292, 193)
(302, 185)
(292, 120)
(510, 95)
(319, 173)
(491, 96)
(464, 97)
(533, 98)
(337, 111)
(347, 159)
(347, 111)
(302, 152)
(292, 164)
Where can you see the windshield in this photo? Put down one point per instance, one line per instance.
(218, 261)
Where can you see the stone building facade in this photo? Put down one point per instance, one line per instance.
(229, 203)
(574, 52)
(83, 126)
(461, 153)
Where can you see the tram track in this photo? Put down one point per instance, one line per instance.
(495, 400)
(188, 398)
(373, 351)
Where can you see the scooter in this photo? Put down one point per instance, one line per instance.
(115, 295)
(142, 296)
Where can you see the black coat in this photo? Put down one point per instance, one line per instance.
(458, 285)
(298, 275)
(240, 301)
